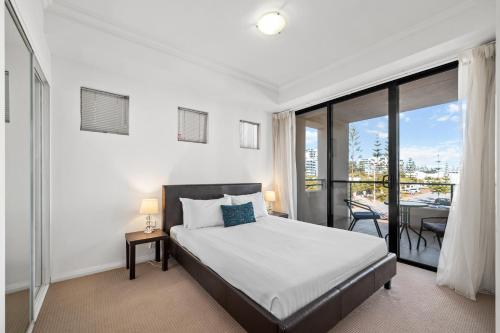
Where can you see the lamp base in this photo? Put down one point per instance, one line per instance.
(149, 228)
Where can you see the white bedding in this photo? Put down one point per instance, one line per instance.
(280, 263)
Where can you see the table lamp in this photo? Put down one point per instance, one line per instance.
(149, 207)
(270, 197)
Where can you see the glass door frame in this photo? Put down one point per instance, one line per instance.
(393, 182)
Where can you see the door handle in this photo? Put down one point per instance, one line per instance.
(386, 181)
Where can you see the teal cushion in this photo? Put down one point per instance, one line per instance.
(237, 214)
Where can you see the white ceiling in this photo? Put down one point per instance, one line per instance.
(319, 34)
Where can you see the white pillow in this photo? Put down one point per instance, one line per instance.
(203, 213)
(257, 200)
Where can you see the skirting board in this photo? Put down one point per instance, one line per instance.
(96, 269)
(16, 286)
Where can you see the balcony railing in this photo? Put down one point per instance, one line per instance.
(410, 188)
(435, 187)
(315, 184)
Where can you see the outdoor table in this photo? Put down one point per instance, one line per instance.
(405, 207)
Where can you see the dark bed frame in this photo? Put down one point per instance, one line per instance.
(318, 316)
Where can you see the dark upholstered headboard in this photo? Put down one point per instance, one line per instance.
(172, 207)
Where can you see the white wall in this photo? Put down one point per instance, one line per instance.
(98, 180)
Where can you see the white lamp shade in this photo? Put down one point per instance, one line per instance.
(270, 196)
(271, 23)
(149, 207)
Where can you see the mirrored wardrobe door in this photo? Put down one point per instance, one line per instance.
(18, 174)
(41, 187)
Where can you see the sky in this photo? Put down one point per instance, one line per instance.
(424, 133)
(311, 138)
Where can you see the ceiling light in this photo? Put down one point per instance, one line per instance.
(271, 23)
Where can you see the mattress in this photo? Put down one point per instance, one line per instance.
(280, 263)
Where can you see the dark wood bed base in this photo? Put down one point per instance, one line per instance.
(318, 316)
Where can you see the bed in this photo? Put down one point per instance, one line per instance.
(250, 269)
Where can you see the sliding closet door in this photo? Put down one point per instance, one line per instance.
(312, 166)
(18, 176)
(37, 182)
(41, 181)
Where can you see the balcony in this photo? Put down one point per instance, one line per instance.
(417, 200)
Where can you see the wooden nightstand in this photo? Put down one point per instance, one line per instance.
(280, 214)
(139, 237)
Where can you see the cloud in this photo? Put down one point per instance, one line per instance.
(453, 107)
(404, 117)
(451, 113)
(378, 134)
(449, 117)
(449, 152)
(443, 118)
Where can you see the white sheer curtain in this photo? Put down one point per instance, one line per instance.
(467, 261)
(285, 171)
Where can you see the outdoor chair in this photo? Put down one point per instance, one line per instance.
(438, 227)
(367, 214)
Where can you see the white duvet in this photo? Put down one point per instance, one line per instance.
(280, 263)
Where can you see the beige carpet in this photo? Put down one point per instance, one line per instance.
(173, 302)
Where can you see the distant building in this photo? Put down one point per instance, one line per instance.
(454, 176)
(423, 175)
(365, 165)
(371, 165)
(312, 162)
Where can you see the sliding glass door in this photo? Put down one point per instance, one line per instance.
(391, 157)
(360, 163)
(312, 166)
(430, 149)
